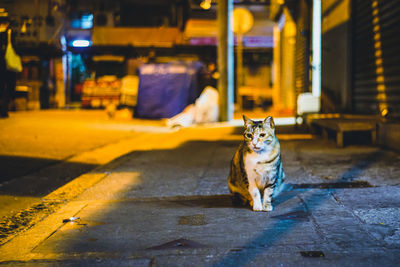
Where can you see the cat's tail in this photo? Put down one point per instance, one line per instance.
(238, 200)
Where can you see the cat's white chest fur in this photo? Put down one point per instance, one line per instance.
(258, 174)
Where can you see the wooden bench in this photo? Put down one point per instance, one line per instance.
(340, 126)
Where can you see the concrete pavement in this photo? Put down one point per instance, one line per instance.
(165, 202)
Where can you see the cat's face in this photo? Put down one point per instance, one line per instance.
(259, 134)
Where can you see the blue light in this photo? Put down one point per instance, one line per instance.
(81, 43)
(87, 21)
(82, 21)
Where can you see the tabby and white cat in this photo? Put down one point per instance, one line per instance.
(256, 168)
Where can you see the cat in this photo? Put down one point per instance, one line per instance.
(256, 167)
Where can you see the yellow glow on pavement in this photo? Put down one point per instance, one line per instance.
(75, 187)
(288, 137)
(117, 183)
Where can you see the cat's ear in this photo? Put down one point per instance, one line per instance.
(269, 122)
(247, 122)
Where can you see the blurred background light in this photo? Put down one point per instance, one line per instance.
(205, 4)
(81, 43)
(82, 21)
(87, 21)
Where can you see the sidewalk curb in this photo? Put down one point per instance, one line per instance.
(13, 251)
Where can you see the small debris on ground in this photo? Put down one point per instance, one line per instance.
(71, 219)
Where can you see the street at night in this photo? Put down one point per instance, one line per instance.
(199, 133)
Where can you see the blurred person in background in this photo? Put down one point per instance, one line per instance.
(7, 78)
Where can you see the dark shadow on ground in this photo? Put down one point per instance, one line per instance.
(207, 202)
(36, 177)
(14, 166)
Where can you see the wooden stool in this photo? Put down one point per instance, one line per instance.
(345, 125)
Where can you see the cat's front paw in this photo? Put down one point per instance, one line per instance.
(257, 207)
(267, 207)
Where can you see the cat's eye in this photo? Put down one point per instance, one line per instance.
(249, 135)
(262, 134)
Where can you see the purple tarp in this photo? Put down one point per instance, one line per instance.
(166, 89)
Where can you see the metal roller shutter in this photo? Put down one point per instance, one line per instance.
(376, 57)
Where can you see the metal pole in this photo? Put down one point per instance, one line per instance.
(239, 63)
(316, 49)
(225, 59)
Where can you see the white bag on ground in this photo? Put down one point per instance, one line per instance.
(184, 119)
(207, 106)
(204, 110)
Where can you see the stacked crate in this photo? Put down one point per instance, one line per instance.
(101, 93)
